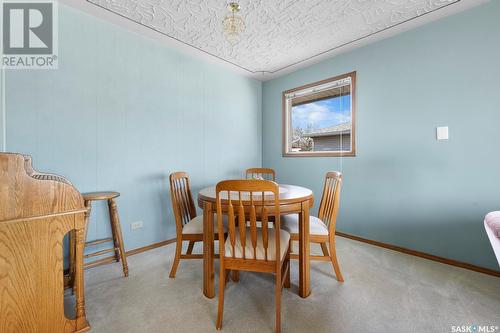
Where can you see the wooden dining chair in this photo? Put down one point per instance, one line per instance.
(265, 250)
(189, 226)
(321, 228)
(260, 173)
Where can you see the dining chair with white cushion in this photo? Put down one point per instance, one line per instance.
(251, 248)
(189, 226)
(321, 228)
(260, 173)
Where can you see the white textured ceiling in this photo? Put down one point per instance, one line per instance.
(279, 34)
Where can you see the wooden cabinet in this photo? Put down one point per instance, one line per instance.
(36, 212)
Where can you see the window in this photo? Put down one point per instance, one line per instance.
(319, 118)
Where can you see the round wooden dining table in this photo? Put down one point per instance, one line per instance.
(293, 200)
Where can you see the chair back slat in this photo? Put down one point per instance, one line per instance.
(180, 188)
(232, 226)
(188, 201)
(253, 225)
(330, 201)
(242, 224)
(260, 173)
(265, 239)
(182, 200)
(232, 192)
(329, 194)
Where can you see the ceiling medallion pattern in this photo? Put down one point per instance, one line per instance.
(278, 33)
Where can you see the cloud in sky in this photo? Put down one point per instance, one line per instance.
(321, 114)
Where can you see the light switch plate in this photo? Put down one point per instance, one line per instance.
(442, 133)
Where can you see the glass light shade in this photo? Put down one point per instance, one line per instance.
(233, 26)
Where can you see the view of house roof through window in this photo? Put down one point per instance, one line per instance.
(319, 118)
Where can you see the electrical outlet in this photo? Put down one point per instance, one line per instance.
(136, 225)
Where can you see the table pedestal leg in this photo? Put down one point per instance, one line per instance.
(208, 251)
(304, 249)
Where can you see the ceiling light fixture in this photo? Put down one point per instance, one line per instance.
(233, 25)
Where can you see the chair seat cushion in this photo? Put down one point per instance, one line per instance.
(195, 226)
(492, 220)
(290, 223)
(259, 250)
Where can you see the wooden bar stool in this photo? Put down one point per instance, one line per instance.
(117, 239)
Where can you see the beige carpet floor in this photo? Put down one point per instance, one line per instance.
(384, 291)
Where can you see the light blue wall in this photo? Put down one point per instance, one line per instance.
(122, 112)
(404, 187)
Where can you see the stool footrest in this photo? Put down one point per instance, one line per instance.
(98, 241)
(99, 253)
(99, 262)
